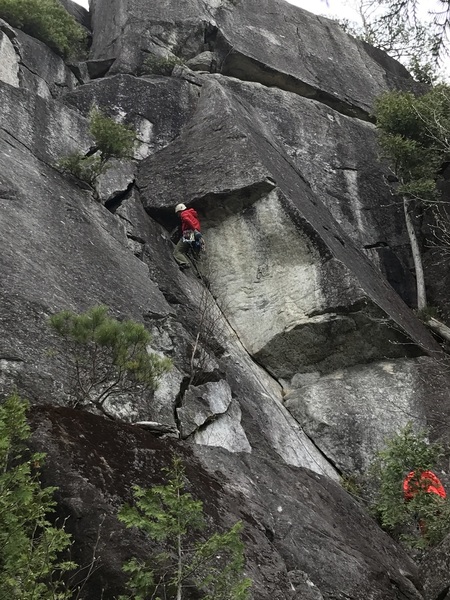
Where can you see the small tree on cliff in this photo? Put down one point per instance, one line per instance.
(106, 357)
(414, 137)
(170, 516)
(112, 140)
(30, 545)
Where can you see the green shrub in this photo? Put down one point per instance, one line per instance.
(30, 546)
(113, 140)
(406, 452)
(170, 516)
(352, 485)
(160, 65)
(413, 135)
(105, 357)
(46, 20)
(86, 168)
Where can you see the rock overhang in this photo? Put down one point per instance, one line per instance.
(227, 146)
(272, 42)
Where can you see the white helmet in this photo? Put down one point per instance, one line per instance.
(180, 207)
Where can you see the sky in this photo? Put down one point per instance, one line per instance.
(330, 8)
(315, 6)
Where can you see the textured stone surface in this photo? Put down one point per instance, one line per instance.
(271, 42)
(209, 412)
(9, 61)
(28, 63)
(292, 518)
(202, 403)
(157, 107)
(350, 413)
(41, 70)
(114, 183)
(205, 61)
(293, 310)
(225, 163)
(60, 249)
(434, 571)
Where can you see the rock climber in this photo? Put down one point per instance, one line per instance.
(190, 233)
(425, 481)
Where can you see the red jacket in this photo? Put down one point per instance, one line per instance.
(189, 220)
(426, 481)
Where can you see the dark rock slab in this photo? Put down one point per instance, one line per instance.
(434, 571)
(293, 519)
(99, 68)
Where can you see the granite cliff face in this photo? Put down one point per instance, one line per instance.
(311, 354)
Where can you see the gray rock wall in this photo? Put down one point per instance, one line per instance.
(306, 357)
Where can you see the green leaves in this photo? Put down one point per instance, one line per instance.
(112, 139)
(414, 137)
(170, 516)
(86, 168)
(46, 20)
(106, 357)
(29, 545)
(410, 451)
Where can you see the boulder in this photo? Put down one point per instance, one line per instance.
(205, 61)
(202, 404)
(209, 412)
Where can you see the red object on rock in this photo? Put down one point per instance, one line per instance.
(426, 481)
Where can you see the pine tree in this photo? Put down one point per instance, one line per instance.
(170, 516)
(106, 357)
(30, 546)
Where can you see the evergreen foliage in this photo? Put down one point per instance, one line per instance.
(46, 20)
(106, 357)
(170, 516)
(160, 65)
(414, 137)
(86, 168)
(409, 451)
(30, 546)
(112, 140)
